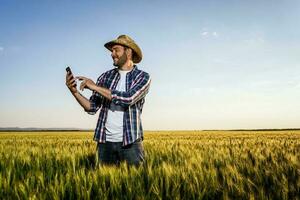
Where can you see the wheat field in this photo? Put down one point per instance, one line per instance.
(179, 165)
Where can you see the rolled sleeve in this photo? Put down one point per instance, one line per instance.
(95, 102)
(93, 109)
(136, 93)
(96, 99)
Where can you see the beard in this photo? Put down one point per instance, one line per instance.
(121, 61)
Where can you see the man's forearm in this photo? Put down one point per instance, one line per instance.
(84, 102)
(103, 91)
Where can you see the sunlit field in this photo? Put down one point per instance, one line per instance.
(179, 165)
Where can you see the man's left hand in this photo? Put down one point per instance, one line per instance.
(86, 83)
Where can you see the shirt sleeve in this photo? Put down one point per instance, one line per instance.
(95, 103)
(138, 91)
(96, 99)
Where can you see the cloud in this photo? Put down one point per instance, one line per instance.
(213, 34)
(1, 48)
(204, 33)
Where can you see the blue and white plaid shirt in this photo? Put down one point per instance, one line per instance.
(132, 100)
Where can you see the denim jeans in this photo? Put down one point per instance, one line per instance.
(112, 153)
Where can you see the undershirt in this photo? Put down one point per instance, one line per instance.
(114, 121)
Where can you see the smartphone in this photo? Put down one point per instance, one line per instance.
(68, 69)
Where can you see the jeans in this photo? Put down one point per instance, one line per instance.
(112, 153)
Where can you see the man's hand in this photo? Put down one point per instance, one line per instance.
(71, 82)
(89, 84)
(86, 83)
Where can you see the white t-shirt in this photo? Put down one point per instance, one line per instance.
(114, 122)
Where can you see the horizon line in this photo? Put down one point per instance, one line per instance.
(35, 129)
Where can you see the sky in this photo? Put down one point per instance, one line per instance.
(214, 64)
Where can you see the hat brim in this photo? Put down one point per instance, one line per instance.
(137, 53)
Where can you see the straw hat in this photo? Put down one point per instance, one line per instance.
(125, 40)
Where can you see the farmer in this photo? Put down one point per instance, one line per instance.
(119, 94)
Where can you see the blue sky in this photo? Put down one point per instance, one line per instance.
(214, 64)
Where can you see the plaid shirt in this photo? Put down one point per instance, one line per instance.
(132, 100)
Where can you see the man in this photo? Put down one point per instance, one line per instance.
(119, 94)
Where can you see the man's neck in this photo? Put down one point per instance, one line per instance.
(127, 66)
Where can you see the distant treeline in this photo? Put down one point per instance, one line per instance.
(277, 129)
(89, 130)
(40, 130)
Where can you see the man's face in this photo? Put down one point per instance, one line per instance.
(118, 55)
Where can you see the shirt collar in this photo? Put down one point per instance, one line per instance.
(131, 71)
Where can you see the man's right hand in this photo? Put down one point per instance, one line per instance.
(71, 82)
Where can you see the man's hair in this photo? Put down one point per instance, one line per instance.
(132, 52)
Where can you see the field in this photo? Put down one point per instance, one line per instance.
(180, 165)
